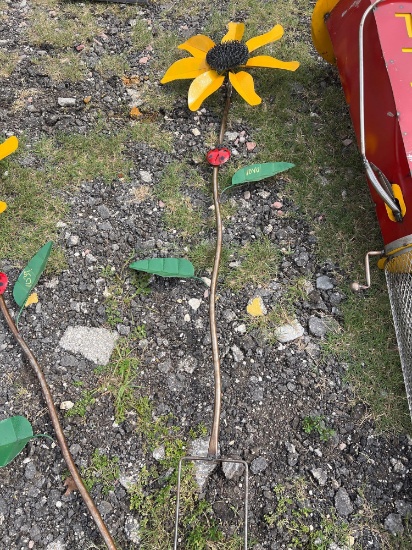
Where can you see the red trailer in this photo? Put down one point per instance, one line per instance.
(371, 43)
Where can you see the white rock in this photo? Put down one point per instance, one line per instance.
(146, 176)
(289, 332)
(241, 329)
(159, 453)
(66, 405)
(196, 131)
(207, 281)
(96, 344)
(66, 101)
(203, 469)
(194, 303)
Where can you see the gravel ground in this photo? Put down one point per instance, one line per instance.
(356, 475)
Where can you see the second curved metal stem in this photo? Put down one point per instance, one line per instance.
(214, 436)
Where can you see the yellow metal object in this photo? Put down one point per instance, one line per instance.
(198, 45)
(398, 261)
(274, 34)
(202, 87)
(397, 192)
(320, 36)
(189, 67)
(235, 32)
(272, 63)
(245, 87)
(8, 147)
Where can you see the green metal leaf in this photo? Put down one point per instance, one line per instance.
(30, 275)
(15, 433)
(166, 267)
(257, 172)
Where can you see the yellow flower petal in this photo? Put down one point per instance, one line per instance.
(3, 206)
(235, 32)
(198, 45)
(8, 147)
(267, 38)
(272, 63)
(244, 85)
(189, 67)
(202, 87)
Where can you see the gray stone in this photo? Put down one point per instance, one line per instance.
(95, 344)
(258, 465)
(324, 283)
(30, 470)
(393, 524)
(132, 529)
(56, 545)
(188, 364)
(320, 475)
(165, 366)
(66, 101)
(257, 394)
(343, 503)
(203, 468)
(238, 355)
(319, 326)
(104, 212)
(404, 508)
(287, 333)
(73, 240)
(233, 470)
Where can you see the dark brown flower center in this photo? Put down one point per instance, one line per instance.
(227, 56)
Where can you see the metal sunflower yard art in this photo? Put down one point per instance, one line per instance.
(211, 64)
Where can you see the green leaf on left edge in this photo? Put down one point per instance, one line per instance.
(257, 172)
(30, 275)
(165, 267)
(15, 433)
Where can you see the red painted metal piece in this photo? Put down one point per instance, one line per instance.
(388, 93)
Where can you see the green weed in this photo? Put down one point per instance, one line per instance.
(102, 471)
(316, 424)
(87, 399)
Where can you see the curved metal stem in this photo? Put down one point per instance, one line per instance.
(214, 436)
(58, 429)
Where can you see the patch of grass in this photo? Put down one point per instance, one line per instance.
(65, 29)
(305, 527)
(8, 62)
(179, 212)
(259, 264)
(118, 378)
(81, 406)
(150, 133)
(112, 64)
(32, 212)
(202, 256)
(74, 158)
(369, 347)
(103, 471)
(316, 424)
(141, 35)
(156, 510)
(66, 67)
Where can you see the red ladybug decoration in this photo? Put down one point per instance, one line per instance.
(3, 282)
(218, 156)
